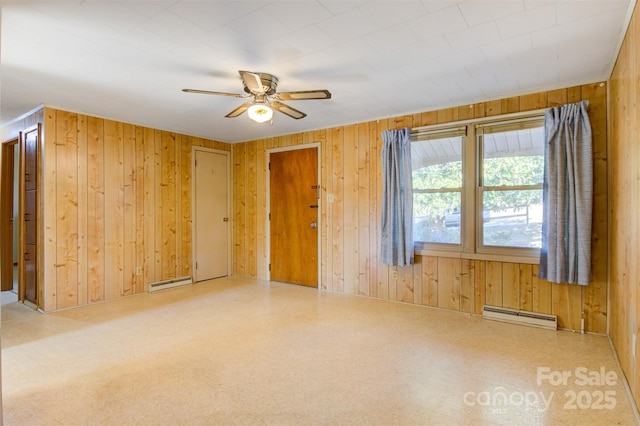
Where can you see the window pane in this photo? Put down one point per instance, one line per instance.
(513, 158)
(437, 183)
(437, 217)
(512, 218)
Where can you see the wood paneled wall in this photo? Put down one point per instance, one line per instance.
(116, 197)
(350, 231)
(624, 175)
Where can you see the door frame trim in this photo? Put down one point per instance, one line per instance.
(7, 181)
(227, 154)
(318, 147)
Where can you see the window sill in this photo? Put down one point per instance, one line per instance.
(479, 256)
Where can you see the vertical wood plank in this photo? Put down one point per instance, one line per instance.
(383, 284)
(447, 115)
(327, 246)
(261, 209)
(150, 222)
(492, 108)
(493, 285)
(429, 118)
(179, 219)
(49, 209)
(337, 213)
(480, 280)
(430, 280)
(466, 112)
(95, 210)
(556, 98)
(510, 105)
(168, 191)
(417, 280)
(510, 285)
(129, 210)
(114, 205)
(404, 284)
(533, 101)
(595, 294)
(449, 283)
(541, 293)
(239, 205)
(374, 191)
(159, 205)
(140, 210)
(67, 210)
(566, 303)
(82, 210)
(364, 225)
(350, 210)
(467, 281)
(526, 287)
(574, 94)
(251, 215)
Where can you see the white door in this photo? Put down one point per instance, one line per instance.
(211, 221)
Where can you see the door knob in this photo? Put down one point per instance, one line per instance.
(314, 225)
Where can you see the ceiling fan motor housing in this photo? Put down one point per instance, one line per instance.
(269, 83)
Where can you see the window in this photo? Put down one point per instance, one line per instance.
(510, 188)
(477, 188)
(436, 159)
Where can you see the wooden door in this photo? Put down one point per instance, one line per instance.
(211, 204)
(6, 216)
(30, 217)
(294, 190)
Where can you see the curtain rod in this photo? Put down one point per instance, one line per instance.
(522, 114)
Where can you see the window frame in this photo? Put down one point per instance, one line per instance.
(471, 217)
(435, 133)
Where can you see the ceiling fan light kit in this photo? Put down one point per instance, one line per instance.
(260, 113)
(262, 87)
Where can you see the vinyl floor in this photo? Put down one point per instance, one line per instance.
(247, 352)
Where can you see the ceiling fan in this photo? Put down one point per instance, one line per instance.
(261, 89)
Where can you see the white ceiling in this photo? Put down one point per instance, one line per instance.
(129, 60)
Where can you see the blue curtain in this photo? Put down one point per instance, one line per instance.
(397, 198)
(565, 256)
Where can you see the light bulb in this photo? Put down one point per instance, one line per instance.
(260, 112)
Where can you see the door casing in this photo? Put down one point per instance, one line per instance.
(7, 180)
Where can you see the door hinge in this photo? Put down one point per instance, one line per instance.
(196, 163)
(269, 216)
(196, 265)
(269, 165)
(269, 267)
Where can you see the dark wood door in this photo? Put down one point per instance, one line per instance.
(31, 215)
(6, 216)
(294, 216)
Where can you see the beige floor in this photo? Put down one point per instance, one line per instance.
(236, 351)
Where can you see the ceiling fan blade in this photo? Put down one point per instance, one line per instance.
(252, 81)
(208, 92)
(287, 110)
(242, 108)
(305, 94)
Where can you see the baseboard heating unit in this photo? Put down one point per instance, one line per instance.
(163, 285)
(533, 319)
